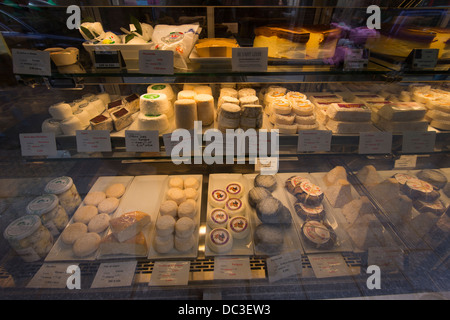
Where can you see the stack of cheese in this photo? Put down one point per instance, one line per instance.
(239, 109)
(438, 104)
(155, 112)
(194, 103)
(118, 114)
(66, 118)
(177, 218)
(400, 117)
(349, 118)
(321, 103)
(289, 111)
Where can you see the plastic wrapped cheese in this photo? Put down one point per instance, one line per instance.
(402, 111)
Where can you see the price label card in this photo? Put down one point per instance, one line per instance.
(38, 144)
(388, 259)
(93, 141)
(226, 268)
(173, 273)
(267, 165)
(51, 275)
(249, 59)
(284, 266)
(329, 265)
(33, 62)
(375, 142)
(156, 61)
(141, 141)
(424, 58)
(114, 274)
(356, 59)
(107, 59)
(314, 140)
(418, 142)
(406, 161)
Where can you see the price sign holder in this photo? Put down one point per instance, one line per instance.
(110, 60)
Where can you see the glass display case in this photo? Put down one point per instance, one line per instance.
(220, 150)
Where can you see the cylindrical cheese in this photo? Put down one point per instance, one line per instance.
(162, 88)
(98, 104)
(147, 122)
(185, 113)
(248, 100)
(229, 116)
(203, 90)
(52, 125)
(245, 92)
(83, 116)
(154, 104)
(90, 109)
(71, 125)
(228, 92)
(60, 111)
(205, 108)
(186, 94)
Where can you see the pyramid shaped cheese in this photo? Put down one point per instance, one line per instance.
(340, 193)
(334, 175)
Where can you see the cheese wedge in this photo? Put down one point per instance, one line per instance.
(136, 246)
(129, 225)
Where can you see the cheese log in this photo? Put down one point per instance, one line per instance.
(186, 94)
(134, 246)
(129, 224)
(60, 111)
(257, 194)
(185, 113)
(229, 116)
(71, 125)
(122, 118)
(205, 108)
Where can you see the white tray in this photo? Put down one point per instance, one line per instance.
(62, 252)
(174, 253)
(241, 247)
(343, 243)
(337, 212)
(291, 236)
(143, 194)
(413, 237)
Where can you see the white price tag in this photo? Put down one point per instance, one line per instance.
(267, 166)
(329, 265)
(173, 273)
(50, 275)
(314, 140)
(249, 59)
(284, 266)
(418, 142)
(226, 268)
(33, 62)
(142, 141)
(38, 144)
(114, 274)
(424, 58)
(356, 59)
(156, 61)
(93, 141)
(406, 161)
(375, 142)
